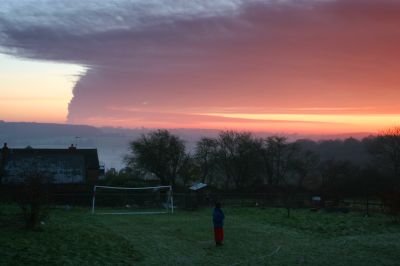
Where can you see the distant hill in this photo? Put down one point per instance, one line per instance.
(44, 130)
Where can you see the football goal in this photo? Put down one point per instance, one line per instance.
(132, 200)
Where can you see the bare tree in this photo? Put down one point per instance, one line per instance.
(304, 163)
(386, 148)
(159, 153)
(239, 154)
(277, 155)
(206, 156)
(338, 179)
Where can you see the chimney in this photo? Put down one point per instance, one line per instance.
(4, 151)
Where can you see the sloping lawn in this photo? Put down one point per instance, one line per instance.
(252, 237)
(68, 238)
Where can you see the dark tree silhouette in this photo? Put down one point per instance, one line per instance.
(34, 197)
(304, 164)
(338, 179)
(159, 153)
(206, 157)
(386, 148)
(239, 154)
(278, 156)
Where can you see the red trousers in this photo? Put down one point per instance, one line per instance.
(219, 235)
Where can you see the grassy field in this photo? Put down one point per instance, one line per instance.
(252, 237)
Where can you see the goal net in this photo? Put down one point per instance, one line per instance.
(132, 200)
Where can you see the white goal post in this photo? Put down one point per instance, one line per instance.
(133, 200)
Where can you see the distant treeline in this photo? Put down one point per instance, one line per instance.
(241, 161)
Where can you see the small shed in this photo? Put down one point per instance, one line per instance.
(197, 195)
(198, 186)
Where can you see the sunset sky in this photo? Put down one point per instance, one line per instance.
(304, 66)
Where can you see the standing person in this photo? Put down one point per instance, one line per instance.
(218, 221)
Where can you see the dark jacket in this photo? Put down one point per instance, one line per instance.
(218, 218)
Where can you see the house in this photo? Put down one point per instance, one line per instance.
(64, 166)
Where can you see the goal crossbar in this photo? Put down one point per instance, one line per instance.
(133, 188)
(126, 213)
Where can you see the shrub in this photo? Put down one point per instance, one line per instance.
(34, 198)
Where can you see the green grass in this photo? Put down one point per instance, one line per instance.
(252, 237)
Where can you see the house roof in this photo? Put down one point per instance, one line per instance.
(89, 155)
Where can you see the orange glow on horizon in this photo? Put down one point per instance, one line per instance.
(280, 123)
(325, 122)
